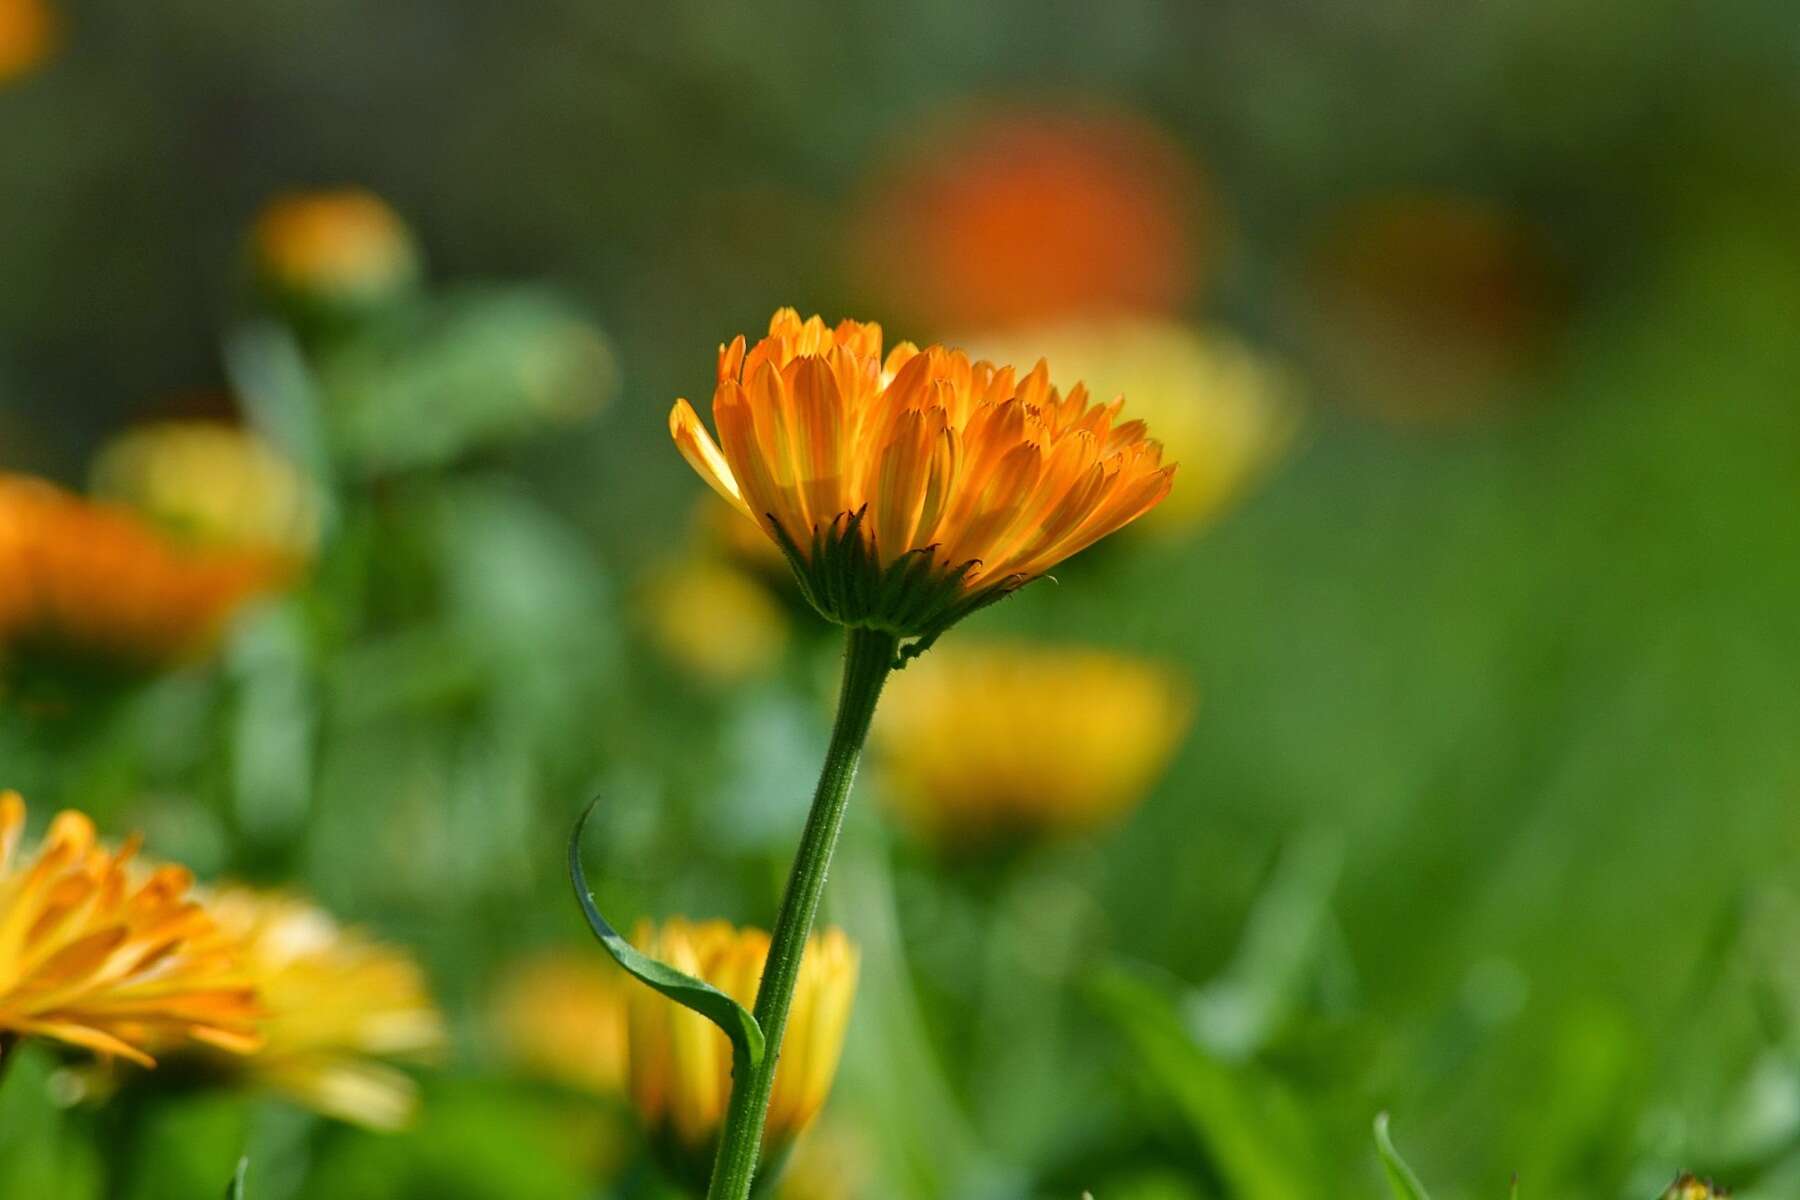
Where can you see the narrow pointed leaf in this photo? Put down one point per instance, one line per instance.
(1400, 1177)
(745, 1034)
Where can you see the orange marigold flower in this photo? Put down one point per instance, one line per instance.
(1431, 310)
(340, 248)
(336, 1004)
(99, 952)
(98, 580)
(28, 35)
(907, 491)
(1021, 217)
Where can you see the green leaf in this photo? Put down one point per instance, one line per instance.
(1254, 1130)
(235, 1189)
(1400, 1177)
(745, 1034)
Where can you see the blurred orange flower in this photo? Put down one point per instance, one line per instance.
(989, 745)
(562, 1017)
(342, 247)
(99, 952)
(1035, 216)
(336, 1003)
(98, 580)
(910, 490)
(28, 35)
(681, 1062)
(1426, 308)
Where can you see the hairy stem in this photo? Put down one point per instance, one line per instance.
(867, 661)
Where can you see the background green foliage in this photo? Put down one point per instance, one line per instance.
(1489, 815)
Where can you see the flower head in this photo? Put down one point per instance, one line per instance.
(1222, 410)
(341, 249)
(1688, 1187)
(98, 580)
(562, 1017)
(1019, 217)
(213, 484)
(681, 1063)
(1427, 310)
(998, 744)
(907, 491)
(335, 1004)
(102, 952)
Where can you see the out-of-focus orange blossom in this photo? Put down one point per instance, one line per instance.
(96, 579)
(1010, 218)
(29, 32)
(1428, 309)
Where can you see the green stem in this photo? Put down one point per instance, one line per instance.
(867, 661)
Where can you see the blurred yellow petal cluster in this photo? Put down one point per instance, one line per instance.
(212, 483)
(909, 490)
(714, 620)
(335, 1005)
(101, 952)
(1026, 216)
(1688, 1187)
(681, 1062)
(28, 35)
(1219, 409)
(562, 1018)
(342, 247)
(99, 580)
(985, 745)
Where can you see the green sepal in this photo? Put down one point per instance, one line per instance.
(695, 994)
(1400, 1177)
(912, 597)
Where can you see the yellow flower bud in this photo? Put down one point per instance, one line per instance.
(681, 1062)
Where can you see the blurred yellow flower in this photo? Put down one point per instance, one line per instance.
(715, 621)
(909, 491)
(681, 1062)
(1687, 1187)
(28, 35)
(989, 744)
(335, 1004)
(100, 952)
(98, 580)
(212, 483)
(1003, 218)
(340, 248)
(562, 1018)
(1218, 408)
